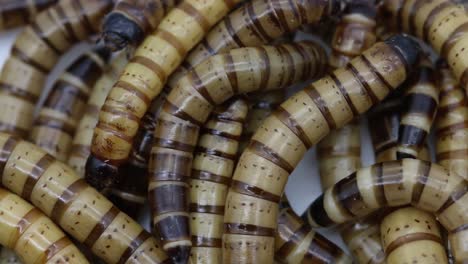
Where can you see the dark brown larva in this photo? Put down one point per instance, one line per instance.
(301, 121)
(58, 118)
(15, 13)
(131, 20)
(187, 108)
(36, 51)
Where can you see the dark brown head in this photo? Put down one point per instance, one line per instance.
(118, 32)
(100, 174)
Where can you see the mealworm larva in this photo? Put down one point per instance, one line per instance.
(80, 149)
(299, 123)
(213, 163)
(131, 20)
(69, 201)
(187, 108)
(32, 235)
(8, 256)
(14, 13)
(410, 235)
(57, 121)
(419, 109)
(36, 51)
(452, 124)
(426, 186)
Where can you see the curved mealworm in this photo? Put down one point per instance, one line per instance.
(213, 163)
(131, 20)
(8, 256)
(57, 121)
(36, 51)
(452, 124)
(81, 143)
(410, 235)
(188, 106)
(69, 201)
(14, 13)
(32, 235)
(300, 122)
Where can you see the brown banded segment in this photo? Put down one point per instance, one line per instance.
(294, 240)
(38, 31)
(206, 209)
(169, 198)
(322, 250)
(207, 242)
(56, 124)
(134, 245)
(172, 40)
(215, 152)
(101, 226)
(348, 194)
(431, 17)
(418, 188)
(293, 125)
(345, 94)
(199, 87)
(458, 193)
(311, 91)
(131, 89)
(174, 110)
(266, 68)
(230, 69)
(265, 152)
(208, 176)
(215, 132)
(6, 151)
(28, 219)
(250, 190)
(369, 91)
(17, 92)
(154, 67)
(193, 12)
(248, 229)
(23, 57)
(37, 171)
(408, 238)
(66, 198)
(56, 247)
(172, 144)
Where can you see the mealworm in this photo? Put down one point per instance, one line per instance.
(300, 122)
(69, 201)
(131, 20)
(213, 164)
(426, 186)
(452, 124)
(410, 235)
(7, 256)
(187, 108)
(57, 121)
(81, 149)
(14, 13)
(36, 51)
(32, 235)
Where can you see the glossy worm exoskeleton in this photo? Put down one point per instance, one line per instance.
(187, 108)
(55, 126)
(299, 123)
(426, 186)
(143, 78)
(131, 20)
(69, 201)
(419, 109)
(32, 235)
(410, 235)
(213, 164)
(36, 51)
(8, 256)
(81, 143)
(14, 13)
(452, 124)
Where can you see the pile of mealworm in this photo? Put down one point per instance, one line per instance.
(182, 104)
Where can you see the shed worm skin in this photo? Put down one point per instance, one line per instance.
(143, 79)
(36, 51)
(57, 121)
(452, 124)
(284, 137)
(81, 149)
(410, 235)
(131, 20)
(188, 106)
(426, 186)
(14, 13)
(212, 168)
(8, 256)
(32, 235)
(77, 208)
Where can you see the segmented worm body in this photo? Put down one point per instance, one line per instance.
(131, 20)
(8, 256)
(56, 124)
(188, 107)
(36, 51)
(284, 137)
(452, 125)
(69, 201)
(410, 235)
(81, 143)
(213, 164)
(32, 235)
(14, 13)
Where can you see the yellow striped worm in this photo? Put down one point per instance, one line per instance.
(36, 51)
(81, 143)
(452, 124)
(7, 256)
(131, 20)
(419, 108)
(58, 118)
(426, 186)
(410, 235)
(14, 13)
(213, 164)
(300, 122)
(187, 108)
(32, 235)
(77, 208)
